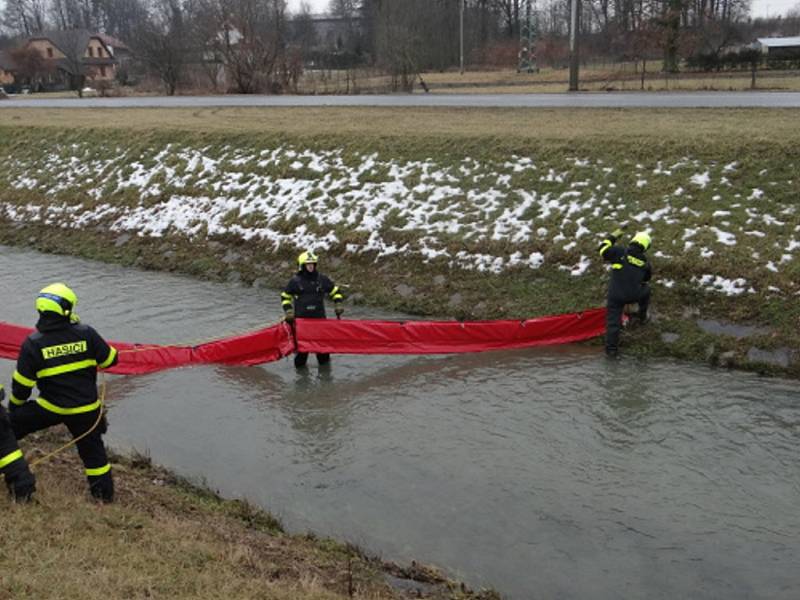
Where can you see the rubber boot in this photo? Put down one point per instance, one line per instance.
(102, 487)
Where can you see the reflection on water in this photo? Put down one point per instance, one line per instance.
(544, 473)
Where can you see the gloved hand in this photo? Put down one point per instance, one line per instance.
(338, 309)
(289, 315)
(21, 485)
(617, 233)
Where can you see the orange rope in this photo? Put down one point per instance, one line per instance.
(75, 440)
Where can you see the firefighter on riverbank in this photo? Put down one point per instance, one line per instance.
(61, 358)
(304, 297)
(630, 272)
(19, 479)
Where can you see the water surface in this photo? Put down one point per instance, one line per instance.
(546, 473)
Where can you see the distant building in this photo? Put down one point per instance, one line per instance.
(66, 59)
(76, 50)
(119, 50)
(333, 32)
(7, 69)
(780, 47)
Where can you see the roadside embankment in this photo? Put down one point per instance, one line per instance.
(454, 213)
(166, 538)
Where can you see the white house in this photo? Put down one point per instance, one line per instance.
(780, 47)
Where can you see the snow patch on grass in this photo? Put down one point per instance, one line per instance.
(729, 287)
(701, 180)
(482, 215)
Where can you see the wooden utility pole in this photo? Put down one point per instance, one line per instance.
(573, 46)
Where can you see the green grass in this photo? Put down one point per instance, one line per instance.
(601, 152)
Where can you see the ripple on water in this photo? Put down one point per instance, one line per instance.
(548, 472)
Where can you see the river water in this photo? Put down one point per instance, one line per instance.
(546, 473)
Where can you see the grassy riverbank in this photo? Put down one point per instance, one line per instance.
(165, 538)
(467, 213)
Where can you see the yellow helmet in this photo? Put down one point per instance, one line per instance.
(59, 299)
(306, 257)
(643, 239)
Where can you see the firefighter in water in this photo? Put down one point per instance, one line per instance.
(304, 297)
(61, 358)
(630, 272)
(19, 479)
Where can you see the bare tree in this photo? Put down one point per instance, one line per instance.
(250, 37)
(73, 43)
(303, 32)
(69, 14)
(122, 18)
(32, 67)
(510, 13)
(347, 11)
(24, 17)
(160, 43)
(399, 40)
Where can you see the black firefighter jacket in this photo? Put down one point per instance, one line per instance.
(630, 269)
(61, 359)
(307, 292)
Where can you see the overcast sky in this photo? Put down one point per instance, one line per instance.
(761, 8)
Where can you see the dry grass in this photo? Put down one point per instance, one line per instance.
(600, 73)
(653, 83)
(632, 127)
(164, 539)
(592, 78)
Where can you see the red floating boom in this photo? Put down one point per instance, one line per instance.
(445, 337)
(264, 345)
(345, 337)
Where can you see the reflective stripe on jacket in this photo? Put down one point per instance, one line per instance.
(630, 269)
(62, 361)
(306, 293)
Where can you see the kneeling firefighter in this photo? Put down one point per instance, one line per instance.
(61, 358)
(304, 297)
(19, 479)
(630, 272)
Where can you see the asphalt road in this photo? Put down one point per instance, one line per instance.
(573, 100)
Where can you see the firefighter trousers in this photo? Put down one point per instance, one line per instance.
(615, 307)
(301, 358)
(31, 417)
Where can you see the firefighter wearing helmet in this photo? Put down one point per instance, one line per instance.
(630, 272)
(61, 359)
(304, 297)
